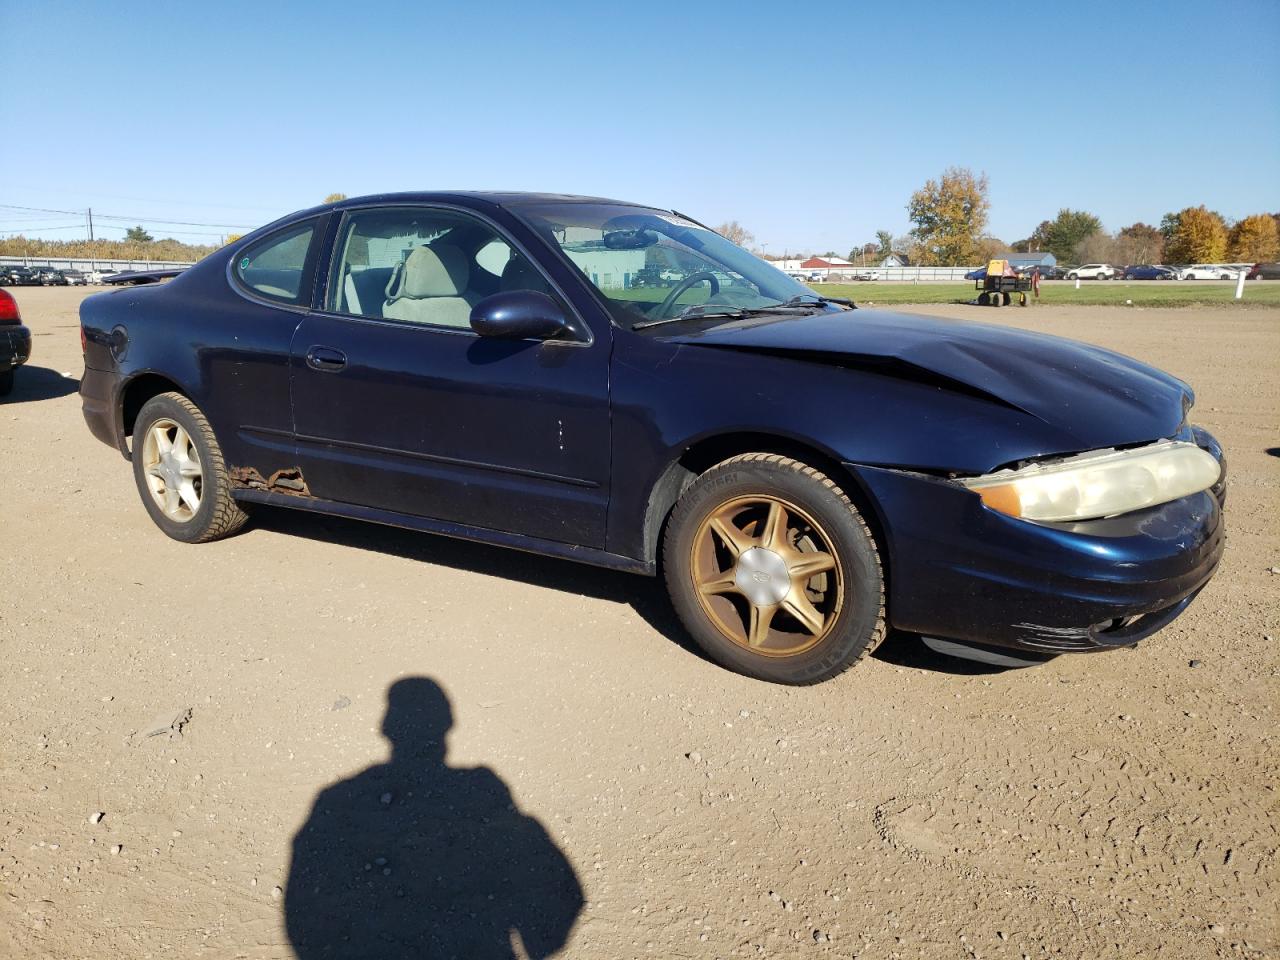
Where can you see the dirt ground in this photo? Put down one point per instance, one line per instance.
(201, 698)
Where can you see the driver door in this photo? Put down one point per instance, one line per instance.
(400, 406)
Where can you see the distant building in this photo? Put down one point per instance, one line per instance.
(827, 267)
(896, 260)
(608, 269)
(786, 264)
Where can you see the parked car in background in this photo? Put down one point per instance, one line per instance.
(1093, 271)
(865, 275)
(1201, 271)
(75, 278)
(99, 275)
(51, 277)
(19, 276)
(1046, 273)
(1012, 489)
(1150, 272)
(15, 341)
(1264, 271)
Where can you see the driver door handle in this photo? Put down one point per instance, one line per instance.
(326, 359)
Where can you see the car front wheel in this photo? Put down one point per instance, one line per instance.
(180, 473)
(773, 571)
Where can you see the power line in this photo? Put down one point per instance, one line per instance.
(188, 202)
(126, 219)
(10, 231)
(36, 229)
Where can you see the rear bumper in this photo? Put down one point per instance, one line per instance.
(960, 571)
(15, 346)
(101, 411)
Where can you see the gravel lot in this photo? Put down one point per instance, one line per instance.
(1113, 806)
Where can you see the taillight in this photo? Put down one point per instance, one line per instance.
(9, 312)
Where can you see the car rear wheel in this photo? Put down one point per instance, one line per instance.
(773, 571)
(180, 473)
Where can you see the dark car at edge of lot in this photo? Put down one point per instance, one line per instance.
(15, 341)
(1046, 272)
(1264, 271)
(1149, 272)
(802, 473)
(19, 276)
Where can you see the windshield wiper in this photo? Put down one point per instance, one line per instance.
(800, 299)
(701, 311)
(697, 312)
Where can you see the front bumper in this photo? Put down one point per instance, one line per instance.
(15, 346)
(961, 571)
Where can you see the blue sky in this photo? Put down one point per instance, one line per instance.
(811, 124)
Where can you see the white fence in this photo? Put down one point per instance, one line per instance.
(116, 266)
(909, 274)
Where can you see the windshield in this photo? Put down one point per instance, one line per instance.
(653, 265)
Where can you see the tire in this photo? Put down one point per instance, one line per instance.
(845, 603)
(984, 299)
(217, 514)
(6, 383)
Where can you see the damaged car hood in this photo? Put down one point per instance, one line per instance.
(1101, 397)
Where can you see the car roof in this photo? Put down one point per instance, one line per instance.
(466, 198)
(500, 198)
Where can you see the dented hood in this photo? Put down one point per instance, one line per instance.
(1101, 397)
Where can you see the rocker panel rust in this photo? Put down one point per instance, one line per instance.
(288, 480)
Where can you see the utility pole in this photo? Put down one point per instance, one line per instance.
(91, 224)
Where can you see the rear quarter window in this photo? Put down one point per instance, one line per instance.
(279, 265)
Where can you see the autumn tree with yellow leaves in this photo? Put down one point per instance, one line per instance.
(1254, 239)
(950, 217)
(1200, 237)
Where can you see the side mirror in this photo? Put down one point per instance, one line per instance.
(519, 315)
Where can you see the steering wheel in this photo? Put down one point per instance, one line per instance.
(665, 309)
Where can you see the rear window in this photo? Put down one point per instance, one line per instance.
(276, 266)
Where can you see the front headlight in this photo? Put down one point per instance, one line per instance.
(1099, 484)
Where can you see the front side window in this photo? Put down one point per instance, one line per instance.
(276, 266)
(651, 264)
(422, 265)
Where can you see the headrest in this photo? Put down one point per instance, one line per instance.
(519, 274)
(436, 271)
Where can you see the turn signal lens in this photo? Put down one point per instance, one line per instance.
(1100, 484)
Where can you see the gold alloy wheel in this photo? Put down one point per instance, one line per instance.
(766, 575)
(171, 466)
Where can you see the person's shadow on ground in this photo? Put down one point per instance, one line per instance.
(416, 859)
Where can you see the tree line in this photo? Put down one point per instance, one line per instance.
(132, 247)
(950, 217)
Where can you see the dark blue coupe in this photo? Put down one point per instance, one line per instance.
(1149, 272)
(802, 473)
